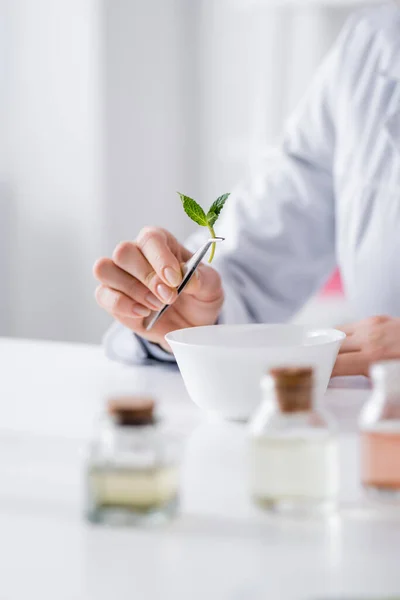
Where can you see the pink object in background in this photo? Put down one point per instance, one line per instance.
(334, 286)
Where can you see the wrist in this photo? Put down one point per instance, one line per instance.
(164, 346)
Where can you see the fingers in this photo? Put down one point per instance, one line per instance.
(121, 308)
(371, 323)
(392, 339)
(110, 275)
(153, 244)
(117, 303)
(205, 284)
(128, 257)
(367, 342)
(369, 336)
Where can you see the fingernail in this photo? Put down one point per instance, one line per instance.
(173, 277)
(164, 292)
(154, 301)
(141, 311)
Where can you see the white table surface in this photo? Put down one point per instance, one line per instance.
(221, 547)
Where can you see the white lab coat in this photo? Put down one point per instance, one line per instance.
(332, 197)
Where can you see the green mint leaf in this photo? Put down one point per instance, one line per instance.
(215, 209)
(194, 210)
(211, 218)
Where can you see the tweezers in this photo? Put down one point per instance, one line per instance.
(188, 271)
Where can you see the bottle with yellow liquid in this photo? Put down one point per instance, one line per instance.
(294, 465)
(132, 473)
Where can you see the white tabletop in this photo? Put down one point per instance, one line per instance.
(221, 547)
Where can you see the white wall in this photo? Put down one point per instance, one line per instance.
(5, 205)
(151, 114)
(54, 173)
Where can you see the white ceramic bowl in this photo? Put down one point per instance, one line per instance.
(222, 365)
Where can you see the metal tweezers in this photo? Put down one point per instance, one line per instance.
(188, 270)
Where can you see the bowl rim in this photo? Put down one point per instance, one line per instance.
(338, 335)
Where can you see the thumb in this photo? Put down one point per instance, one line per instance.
(205, 284)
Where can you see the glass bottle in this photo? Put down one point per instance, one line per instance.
(294, 462)
(132, 473)
(380, 433)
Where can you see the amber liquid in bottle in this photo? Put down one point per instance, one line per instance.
(380, 457)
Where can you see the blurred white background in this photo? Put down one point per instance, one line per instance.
(107, 107)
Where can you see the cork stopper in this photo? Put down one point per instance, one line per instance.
(294, 387)
(131, 410)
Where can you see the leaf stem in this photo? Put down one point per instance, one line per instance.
(212, 254)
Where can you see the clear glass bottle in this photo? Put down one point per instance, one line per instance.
(294, 463)
(380, 433)
(132, 472)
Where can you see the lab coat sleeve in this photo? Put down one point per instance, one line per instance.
(280, 227)
(122, 345)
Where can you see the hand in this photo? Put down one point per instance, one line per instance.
(143, 275)
(369, 341)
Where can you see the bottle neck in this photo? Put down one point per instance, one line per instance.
(386, 380)
(387, 391)
(114, 436)
(270, 417)
(291, 402)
